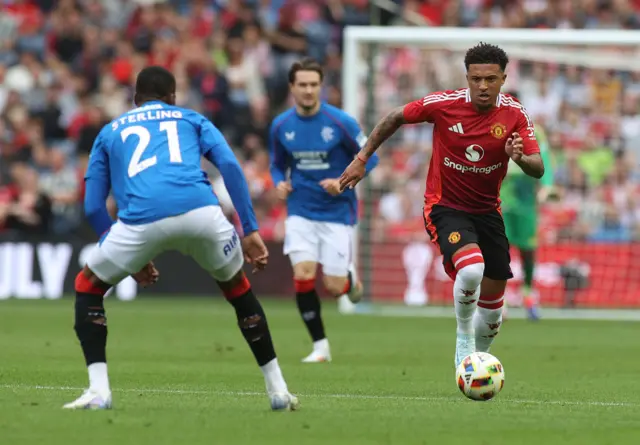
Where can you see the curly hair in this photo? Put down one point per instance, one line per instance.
(155, 82)
(485, 53)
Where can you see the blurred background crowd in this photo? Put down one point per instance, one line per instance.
(67, 66)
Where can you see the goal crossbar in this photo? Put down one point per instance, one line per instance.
(409, 35)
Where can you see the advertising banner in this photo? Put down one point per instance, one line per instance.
(32, 268)
(587, 275)
(583, 274)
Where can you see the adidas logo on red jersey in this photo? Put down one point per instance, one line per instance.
(457, 128)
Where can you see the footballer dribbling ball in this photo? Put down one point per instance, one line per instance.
(480, 376)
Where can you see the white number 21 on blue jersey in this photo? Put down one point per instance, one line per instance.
(144, 137)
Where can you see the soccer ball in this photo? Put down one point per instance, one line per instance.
(480, 376)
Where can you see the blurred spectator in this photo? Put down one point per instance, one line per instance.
(246, 86)
(60, 183)
(67, 67)
(591, 114)
(88, 132)
(23, 207)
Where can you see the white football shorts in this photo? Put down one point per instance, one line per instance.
(204, 234)
(320, 242)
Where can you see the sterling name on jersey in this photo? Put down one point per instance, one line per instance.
(469, 160)
(313, 148)
(150, 157)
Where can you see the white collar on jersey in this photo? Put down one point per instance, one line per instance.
(468, 97)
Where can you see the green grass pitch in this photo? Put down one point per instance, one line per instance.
(181, 374)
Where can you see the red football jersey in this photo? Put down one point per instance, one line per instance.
(469, 161)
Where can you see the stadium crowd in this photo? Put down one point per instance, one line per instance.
(66, 68)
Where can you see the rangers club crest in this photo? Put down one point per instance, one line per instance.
(498, 130)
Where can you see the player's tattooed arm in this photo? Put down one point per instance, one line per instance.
(532, 165)
(387, 126)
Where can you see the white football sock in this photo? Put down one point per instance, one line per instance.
(487, 322)
(98, 377)
(321, 346)
(273, 377)
(466, 288)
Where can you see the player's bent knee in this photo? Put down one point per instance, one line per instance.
(469, 265)
(472, 273)
(87, 282)
(304, 277)
(335, 285)
(305, 270)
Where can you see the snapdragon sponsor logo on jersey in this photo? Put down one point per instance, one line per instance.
(471, 168)
(311, 160)
(473, 153)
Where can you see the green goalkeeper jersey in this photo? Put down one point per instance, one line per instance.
(519, 191)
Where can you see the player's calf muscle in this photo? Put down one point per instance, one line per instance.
(90, 317)
(335, 285)
(252, 320)
(492, 287)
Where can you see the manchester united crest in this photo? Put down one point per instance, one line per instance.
(454, 237)
(498, 130)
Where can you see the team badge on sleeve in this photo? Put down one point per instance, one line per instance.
(361, 139)
(498, 130)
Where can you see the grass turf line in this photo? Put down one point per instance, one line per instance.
(181, 373)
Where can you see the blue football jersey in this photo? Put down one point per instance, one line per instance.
(150, 157)
(308, 149)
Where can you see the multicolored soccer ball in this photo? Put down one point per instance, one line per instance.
(480, 376)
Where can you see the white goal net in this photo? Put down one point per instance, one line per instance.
(582, 89)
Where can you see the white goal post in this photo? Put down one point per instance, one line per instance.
(354, 36)
(598, 49)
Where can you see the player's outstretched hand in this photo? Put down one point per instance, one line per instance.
(352, 174)
(331, 186)
(283, 189)
(255, 252)
(147, 276)
(514, 147)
